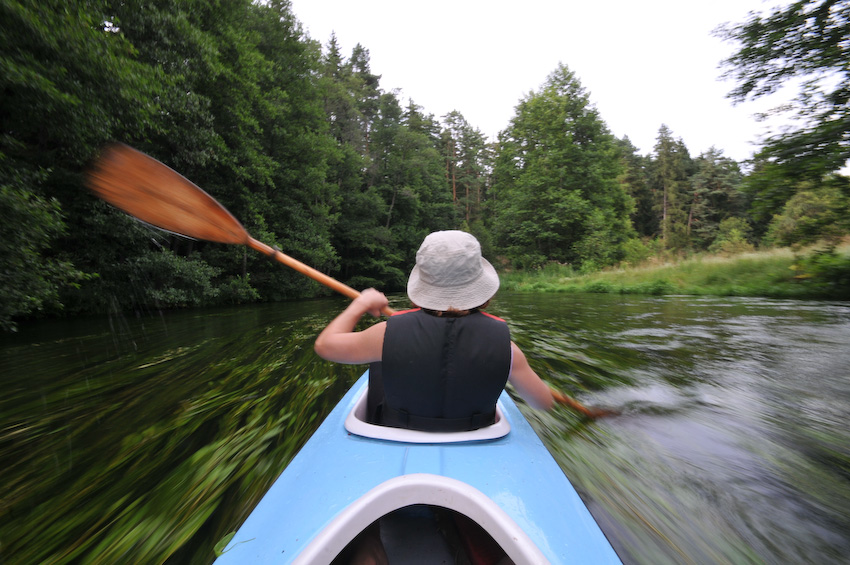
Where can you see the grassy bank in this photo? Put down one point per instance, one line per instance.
(777, 273)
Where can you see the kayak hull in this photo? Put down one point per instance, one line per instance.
(341, 482)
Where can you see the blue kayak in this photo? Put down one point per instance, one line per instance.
(434, 494)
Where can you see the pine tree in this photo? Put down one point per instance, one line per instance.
(467, 164)
(635, 183)
(671, 169)
(715, 187)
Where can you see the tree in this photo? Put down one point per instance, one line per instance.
(467, 162)
(671, 169)
(224, 92)
(357, 233)
(243, 118)
(635, 182)
(340, 99)
(555, 180)
(57, 110)
(389, 174)
(805, 40)
(290, 191)
(716, 196)
(408, 173)
(366, 90)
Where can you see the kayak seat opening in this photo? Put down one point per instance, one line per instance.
(420, 510)
(422, 533)
(357, 424)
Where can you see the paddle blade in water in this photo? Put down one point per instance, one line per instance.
(592, 413)
(152, 192)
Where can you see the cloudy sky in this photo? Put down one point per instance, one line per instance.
(644, 63)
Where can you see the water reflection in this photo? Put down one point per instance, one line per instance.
(153, 436)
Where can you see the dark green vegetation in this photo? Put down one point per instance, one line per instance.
(307, 150)
(159, 423)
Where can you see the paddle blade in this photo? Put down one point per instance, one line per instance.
(154, 193)
(592, 413)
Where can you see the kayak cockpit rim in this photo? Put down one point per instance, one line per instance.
(356, 424)
(414, 489)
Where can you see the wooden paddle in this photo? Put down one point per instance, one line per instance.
(591, 413)
(154, 193)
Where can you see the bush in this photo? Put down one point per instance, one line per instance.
(654, 288)
(29, 277)
(827, 270)
(588, 267)
(237, 290)
(526, 261)
(636, 252)
(599, 287)
(167, 280)
(809, 216)
(732, 237)
(556, 270)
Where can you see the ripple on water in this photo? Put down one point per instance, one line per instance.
(731, 446)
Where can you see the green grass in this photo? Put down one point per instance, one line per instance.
(775, 273)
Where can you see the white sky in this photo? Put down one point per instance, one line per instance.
(644, 63)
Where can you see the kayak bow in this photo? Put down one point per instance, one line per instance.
(351, 473)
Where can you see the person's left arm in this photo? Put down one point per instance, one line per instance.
(527, 383)
(340, 343)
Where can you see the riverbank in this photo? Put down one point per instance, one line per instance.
(775, 273)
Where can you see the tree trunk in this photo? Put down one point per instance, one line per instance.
(390, 211)
(454, 176)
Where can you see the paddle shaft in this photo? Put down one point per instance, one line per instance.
(309, 271)
(154, 193)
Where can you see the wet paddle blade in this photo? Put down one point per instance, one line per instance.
(145, 188)
(592, 413)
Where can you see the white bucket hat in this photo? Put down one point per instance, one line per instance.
(451, 273)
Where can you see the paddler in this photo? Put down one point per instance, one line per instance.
(441, 365)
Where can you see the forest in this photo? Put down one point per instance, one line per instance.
(303, 145)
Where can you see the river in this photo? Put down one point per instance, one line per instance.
(149, 437)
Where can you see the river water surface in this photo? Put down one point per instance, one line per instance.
(148, 438)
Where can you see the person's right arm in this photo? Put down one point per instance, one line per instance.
(340, 343)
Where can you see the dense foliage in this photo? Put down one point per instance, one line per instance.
(304, 147)
(555, 181)
(806, 41)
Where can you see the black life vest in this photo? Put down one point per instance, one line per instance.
(440, 373)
